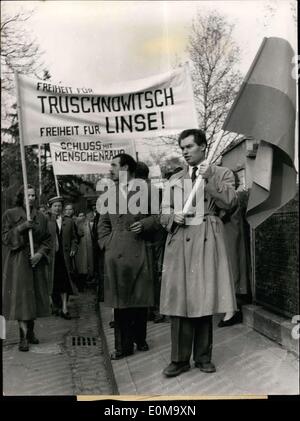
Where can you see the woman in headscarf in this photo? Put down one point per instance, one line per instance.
(25, 286)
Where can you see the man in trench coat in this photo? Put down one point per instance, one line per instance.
(196, 280)
(125, 237)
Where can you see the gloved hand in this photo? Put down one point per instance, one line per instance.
(25, 226)
(35, 259)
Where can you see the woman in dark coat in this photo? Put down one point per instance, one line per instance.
(64, 248)
(25, 286)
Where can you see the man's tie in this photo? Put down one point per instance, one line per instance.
(195, 169)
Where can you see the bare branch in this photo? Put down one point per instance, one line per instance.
(214, 56)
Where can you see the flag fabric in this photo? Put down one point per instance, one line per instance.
(265, 109)
(155, 106)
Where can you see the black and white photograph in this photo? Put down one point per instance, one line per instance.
(149, 200)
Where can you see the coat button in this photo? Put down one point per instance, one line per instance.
(119, 255)
(188, 239)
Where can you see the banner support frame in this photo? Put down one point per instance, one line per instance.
(23, 163)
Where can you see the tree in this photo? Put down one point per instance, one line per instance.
(214, 56)
(19, 50)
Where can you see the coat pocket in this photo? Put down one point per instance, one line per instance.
(108, 241)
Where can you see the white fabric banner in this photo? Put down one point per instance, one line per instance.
(156, 106)
(91, 157)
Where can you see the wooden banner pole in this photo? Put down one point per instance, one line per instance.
(56, 184)
(55, 179)
(23, 162)
(40, 174)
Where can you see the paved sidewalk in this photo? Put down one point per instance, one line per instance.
(247, 364)
(55, 366)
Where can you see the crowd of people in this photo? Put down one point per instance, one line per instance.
(147, 264)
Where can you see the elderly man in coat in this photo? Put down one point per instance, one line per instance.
(197, 280)
(125, 237)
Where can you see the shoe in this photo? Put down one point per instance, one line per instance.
(174, 369)
(118, 355)
(32, 339)
(235, 319)
(159, 318)
(66, 315)
(142, 347)
(206, 367)
(23, 345)
(150, 316)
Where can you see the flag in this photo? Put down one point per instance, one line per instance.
(265, 109)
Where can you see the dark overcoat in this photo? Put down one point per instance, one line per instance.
(25, 289)
(69, 243)
(235, 229)
(129, 265)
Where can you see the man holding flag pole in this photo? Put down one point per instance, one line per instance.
(198, 282)
(265, 110)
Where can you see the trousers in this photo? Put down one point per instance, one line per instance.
(130, 327)
(191, 333)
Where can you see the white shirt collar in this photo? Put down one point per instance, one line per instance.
(59, 221)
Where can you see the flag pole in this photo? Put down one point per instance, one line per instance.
(215, 146)
(199, 178)
(55, 179)
(56, 183)
(23, 162)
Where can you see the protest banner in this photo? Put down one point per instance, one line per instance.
(90, 157)
(155, 106)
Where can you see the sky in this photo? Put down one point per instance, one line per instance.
(97, 43)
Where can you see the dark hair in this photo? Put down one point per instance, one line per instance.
(19, 198)
(142, 170)
(199, 136)
(126, 159)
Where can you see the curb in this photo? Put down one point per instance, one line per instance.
(106, 353)
(277, 328)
